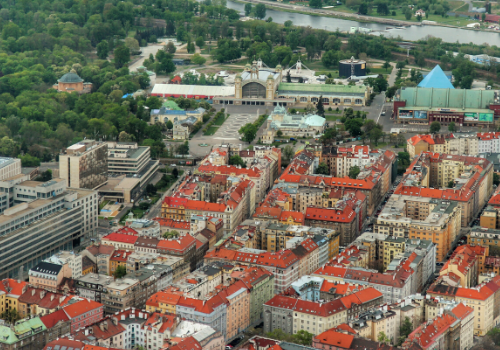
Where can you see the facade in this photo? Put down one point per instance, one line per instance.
(92, 286)
(74, 262)
(9, 167)
(48, 276)
(83, 313)
(28, 334)
(417, 105)
(84, 164)
(469, 144)
(42, 219)
(333, 95)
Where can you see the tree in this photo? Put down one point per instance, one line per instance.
(320, 110)
(303, 337)
(496, 179)
(408, 14)
(386, 65)
(451, 184)
(122, 56)
(382, 9)
(170, 48)
(29, 161)
(124, 137)
(405, 330)
(288, 24)
(382, 338)
(175, 173)
(288, 153)
(279, 133)
(120, 271)
(354, 172)
(102, 50)
(494, 333)
(375, 135)
(198, 59)
(249, 132)
(151, 190)
(316, 4)
(237, 160)
(170, 125)
(171, 234)
(132, 44)
(183, 148)
(400, 64)
(322, 169)
(248, 9)
(435, 127)
(200, 42)
(451, 127)
(44, 176)
(260, 11)
(391, 91)
(363, 8)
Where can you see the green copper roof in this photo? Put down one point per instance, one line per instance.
(21, 330)
(357, 89)
(446, 98)
(70, 78)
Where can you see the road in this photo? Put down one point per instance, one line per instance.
(155, 210)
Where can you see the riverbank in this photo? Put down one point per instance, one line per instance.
(353, 16)
(330, 13)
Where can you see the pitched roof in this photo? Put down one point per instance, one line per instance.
(12, 286)
(63, 342)
(336, 339)
(178, 244)
(53, 318)
(81, 307)
(48, 268)
(121, 237)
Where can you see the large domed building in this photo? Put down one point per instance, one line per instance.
(71, 82)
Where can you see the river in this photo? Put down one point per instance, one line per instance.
(412, 33)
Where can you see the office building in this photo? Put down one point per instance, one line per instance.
(84, 164)
(42, 219)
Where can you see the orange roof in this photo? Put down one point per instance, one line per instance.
(333, 271)
(461, 311)
(228, 170)
(296, 216)
(332, 215)
(336, 339)
(476, 293)
(12, 287)
(127, 230)
(368, 294)
(81, 307)
(177, 244)
(174, 202)
(163, 297)
(177, 224)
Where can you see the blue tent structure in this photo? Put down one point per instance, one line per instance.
(436, 79)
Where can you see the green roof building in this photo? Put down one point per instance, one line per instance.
(333, 95)
(30, 332)
(416, 105)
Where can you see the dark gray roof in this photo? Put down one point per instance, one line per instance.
(46, 267)
(70, 78)
(290, 346)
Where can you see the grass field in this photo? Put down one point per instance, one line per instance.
(211, 130)
(103, 204)
(463, 8)
(332, 118)
(220, 120)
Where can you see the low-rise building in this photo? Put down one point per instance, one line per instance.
(83, 313)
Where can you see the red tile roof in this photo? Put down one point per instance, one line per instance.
(127, 230)
(65, 342)
(477, 293)
(189, 343)
(296, 216)
(331, 215)
(177, 224)
(174, 202)
(53, 318)
(121, 237)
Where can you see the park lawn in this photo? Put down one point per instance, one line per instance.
(460, 21)
(342, 8)
(380, 71)
(220, 120)
(138, 213)
(211, 130)
(154, 199)
(463, 8)
(331, 118)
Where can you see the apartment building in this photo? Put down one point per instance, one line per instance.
(48, 276)
(120, 295)
(84, 164)
(83, 313)
(74, 262)
(449, 330)
(42, 219)
(469, 144)
(464, 263)
(462, 179)
(92, 286)
(27, 334)
(284, 265)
